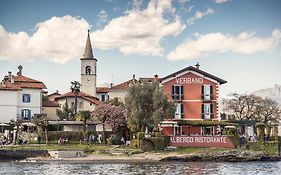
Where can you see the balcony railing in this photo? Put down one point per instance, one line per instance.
(207, 116)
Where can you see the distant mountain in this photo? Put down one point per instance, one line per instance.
(274, 93)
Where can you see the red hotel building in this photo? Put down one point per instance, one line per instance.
(196, 95)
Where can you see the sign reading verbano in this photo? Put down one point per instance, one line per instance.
(189, 80)
(201, 141)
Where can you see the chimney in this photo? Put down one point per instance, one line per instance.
(156, 76)
(111, 85)
(134, 76)
(20, 70)
(12, 79)
(197, 65)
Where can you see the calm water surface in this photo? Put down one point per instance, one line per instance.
(171, 168)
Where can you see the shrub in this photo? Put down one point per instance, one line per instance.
(134, 143)
(235, 139)
(159, 142)
(167, 140)
(146, 145)
(140, 135)
(71, 135)
(260, 131)
(269, 148)
(158, 134)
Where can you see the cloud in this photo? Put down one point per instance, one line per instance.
(103, 16)
(183, 1)
(220, 1)
(244, 43)
(140, 31)
(199, 15)
(59, 39)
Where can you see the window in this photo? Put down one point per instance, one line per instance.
(179, 111)
(207, 92)
(26, 98)
(88, 70)
(25, 114)
(207, 110)
(103, 97)
(208, 131)
(177, 92)
(177, 130)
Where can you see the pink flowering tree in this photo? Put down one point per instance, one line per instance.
(110, 115)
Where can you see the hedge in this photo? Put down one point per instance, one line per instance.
(269, 148)
(71, 135)
(140, 135)
(235, 139)
(204, 123)
(159, 142)
(134, 143)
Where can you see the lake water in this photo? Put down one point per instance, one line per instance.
(170, 168)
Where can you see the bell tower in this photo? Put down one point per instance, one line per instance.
(88, 69)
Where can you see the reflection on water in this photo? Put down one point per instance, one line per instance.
(174, 168)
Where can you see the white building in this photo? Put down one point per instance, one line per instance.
(102, 93)
(20, 97)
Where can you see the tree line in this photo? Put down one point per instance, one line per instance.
(252, 107)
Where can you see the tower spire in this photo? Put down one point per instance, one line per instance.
(88, 53)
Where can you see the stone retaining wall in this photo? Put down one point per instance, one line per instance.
(21, 154)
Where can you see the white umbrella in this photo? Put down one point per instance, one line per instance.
(3, 124)
(28, 124)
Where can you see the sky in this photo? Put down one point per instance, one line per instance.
(236, 40)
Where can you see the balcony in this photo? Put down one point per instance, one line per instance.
(207, 116)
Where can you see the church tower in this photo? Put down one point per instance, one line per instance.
(88, 69)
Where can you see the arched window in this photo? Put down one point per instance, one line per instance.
(88, 70)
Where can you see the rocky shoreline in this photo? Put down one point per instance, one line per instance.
(221, 156)
(226, 156)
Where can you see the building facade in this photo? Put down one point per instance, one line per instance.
(21, 97)
(195, 94)
(102, 93)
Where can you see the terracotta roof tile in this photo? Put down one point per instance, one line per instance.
(21, 81)
(124, 85)
(102, 89)
(49, 104)
(191, 68)
(141, 80)
(83, 95)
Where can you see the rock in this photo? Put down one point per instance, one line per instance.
(226, 156)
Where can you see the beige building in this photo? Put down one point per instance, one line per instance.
(50, 109)
(120, 91)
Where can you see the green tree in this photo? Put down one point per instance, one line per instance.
(65, 113)
(41, 121)
(146, 106)
(15, 123)
(84, 116)
(115, 101)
